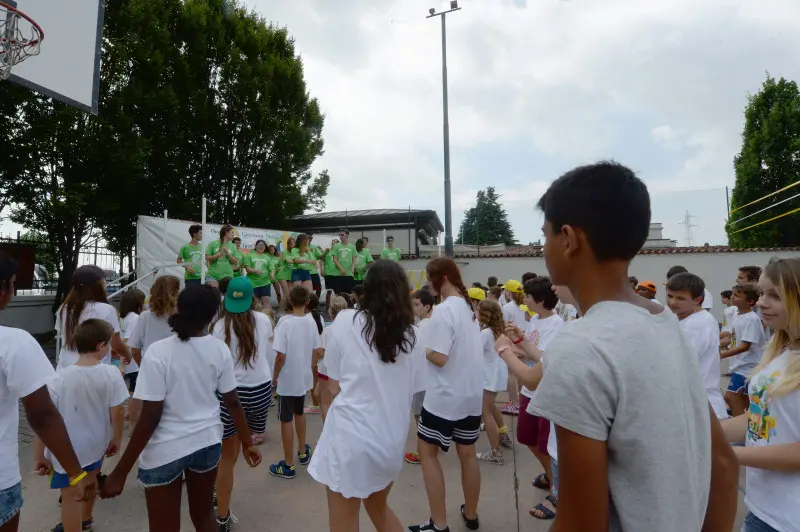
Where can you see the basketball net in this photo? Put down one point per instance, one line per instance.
(20, 38)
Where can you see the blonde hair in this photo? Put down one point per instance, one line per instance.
(785, 275)
(337, 304)
(164, 295)
(490, 316)
(517, 297)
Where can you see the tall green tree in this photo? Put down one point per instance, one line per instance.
(769, 161)
(487, 222)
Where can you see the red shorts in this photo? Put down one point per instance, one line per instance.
(322, 376)
(532, 431)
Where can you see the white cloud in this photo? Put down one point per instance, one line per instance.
(534, 90)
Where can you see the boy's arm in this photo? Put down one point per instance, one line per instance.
(280, 360)
(41, 465)
(723, 494)
(583, 483)
(118, 424)
(136, 353)
(437, 359)
(742, 347)
(527, 375)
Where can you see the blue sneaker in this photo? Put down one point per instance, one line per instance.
(282, 470)
(304, 458)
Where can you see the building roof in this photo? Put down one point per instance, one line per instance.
(536, 251)
(427, 219)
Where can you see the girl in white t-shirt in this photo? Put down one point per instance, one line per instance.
(248, 335)
(87, 299)
(772, 424)
(179, 433)
(130, 306)
(495, 379)
(514, 298)
(372, 358)
(151, 326)
(323, 388)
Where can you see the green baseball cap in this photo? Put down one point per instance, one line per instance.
(239, 297)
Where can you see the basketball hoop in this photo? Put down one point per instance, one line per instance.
(20, 38)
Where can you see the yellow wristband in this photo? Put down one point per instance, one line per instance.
(74, 481)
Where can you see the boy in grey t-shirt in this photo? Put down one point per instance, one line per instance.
(638, 449)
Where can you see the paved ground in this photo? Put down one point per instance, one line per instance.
(268, 504)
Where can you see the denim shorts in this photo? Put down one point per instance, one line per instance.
(10, 503)
(201, 461)
(754, 524)
(300, 275)
(554, 485)
(738, 383)
(61, 480)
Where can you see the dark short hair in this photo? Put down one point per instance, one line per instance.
(194, 229)
(726, 294)
(675, 270)
(344, 232)
(389, 237)
(8, 269)
(753, 273)
(425, 297)
(223, 284)
(358, 290)
(90, 333)
(634, 281)
(607, 202)
(492, 281)
(298, 295)
(496, 291)
(527, 277)
(749, 291)
(234, 239)
(687, 282)
(541, 290)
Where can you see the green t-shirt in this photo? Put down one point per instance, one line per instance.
(363, 258)
(345, 253)
(308, 255)
(220, 268)
(328, 266)
(190, 253)
(263, 263)
(240, 272)
(317, 252)
(391, 254)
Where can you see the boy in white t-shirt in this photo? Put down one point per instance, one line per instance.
(685, 293)
(423, 303)
(89, 396)
(297, 342)
(747, 346)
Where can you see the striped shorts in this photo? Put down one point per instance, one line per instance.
(255, 401)
(443, 432)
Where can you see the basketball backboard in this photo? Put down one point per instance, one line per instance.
(68, 67)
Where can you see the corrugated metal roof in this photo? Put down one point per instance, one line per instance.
(363, 212)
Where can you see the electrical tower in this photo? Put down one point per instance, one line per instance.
(687, 222)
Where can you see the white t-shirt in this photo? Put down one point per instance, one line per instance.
(92, 310)
(728, 314)
(566, 311)
(702, 332)
(83, 396)
(258, 371)
(186, 377)
(773, 496)
(708, 300)
(747, 327)
(512, 312)
(495, 370)
(540, 333)
(24, 368)
(296, 337)
(605, 378)
(148, 330)
(455, 390)
(360, 450)
(422, 369)
(126, 328)
(502, 300)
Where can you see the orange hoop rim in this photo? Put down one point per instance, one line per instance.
(28, 19)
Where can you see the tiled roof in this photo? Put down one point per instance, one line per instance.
(536, 251)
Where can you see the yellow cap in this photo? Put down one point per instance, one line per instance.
(526, 309)
(476, 293)
(514, 286)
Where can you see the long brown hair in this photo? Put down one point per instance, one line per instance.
(243, 325)
(442, 268)
(301, 243)
(74, 304)
(490, 316)
(164, 295)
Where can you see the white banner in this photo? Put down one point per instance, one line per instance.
(158, 243)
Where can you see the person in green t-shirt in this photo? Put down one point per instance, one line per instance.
(260, 270)
(220, 256)
(344, 256)
(192, 256)
(238, 270)
(390, 252)
(363, 258)
(283, 273)
(318, 254)
(303, 261)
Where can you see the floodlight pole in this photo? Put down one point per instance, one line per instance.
(448, 215)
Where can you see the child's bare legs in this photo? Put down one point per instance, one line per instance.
(470, 479)
(382, 517)
(737, 402)
(343, 513)
(513, 389)
(200, 492)
(489, 423)
(314, 390)
(12, 525)
(225, 474)
(544, 460)
(287, 439)
(300, 429)
(73, 513)
(434, 481)
(164, 507)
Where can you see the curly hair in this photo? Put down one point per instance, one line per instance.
(337, 304)
(490, 316)
(164, 295)
(388, 313)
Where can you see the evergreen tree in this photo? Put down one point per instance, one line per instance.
(487, 222)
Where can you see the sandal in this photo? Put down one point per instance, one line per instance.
(544, 512)
(542, 482)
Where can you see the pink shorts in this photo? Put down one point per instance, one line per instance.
(532, 431)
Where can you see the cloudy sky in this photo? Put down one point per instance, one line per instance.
(536, 88)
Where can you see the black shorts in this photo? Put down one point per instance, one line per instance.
(345, 284)
(332, 283)
(288, 407)
(255, 401)
(442, 432)
(316, 284)
(263, 291)
(192, 282)
(130, 378)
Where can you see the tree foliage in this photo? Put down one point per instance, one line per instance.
(487, 222)
(197, 98)
(769, 161)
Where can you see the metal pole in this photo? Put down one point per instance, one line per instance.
(728, 202)
(202, 243)
(448, 217)
(164, 238)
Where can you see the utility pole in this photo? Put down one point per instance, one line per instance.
(687, 222)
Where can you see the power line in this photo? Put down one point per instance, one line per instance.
(687, 221)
